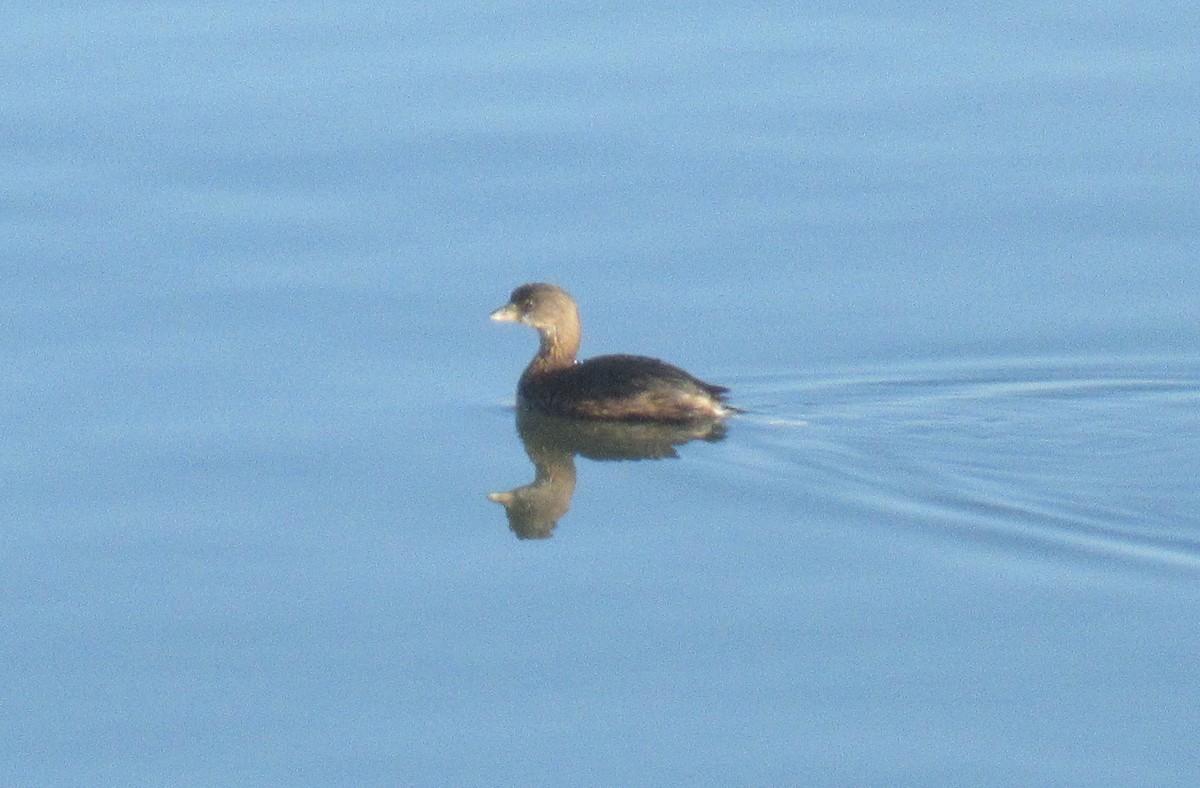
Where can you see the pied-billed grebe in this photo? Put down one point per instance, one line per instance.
(623, 388)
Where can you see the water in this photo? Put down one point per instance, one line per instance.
(254, 408)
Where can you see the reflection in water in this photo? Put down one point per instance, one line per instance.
(552, 443)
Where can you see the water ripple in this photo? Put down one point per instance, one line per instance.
(1084, 460)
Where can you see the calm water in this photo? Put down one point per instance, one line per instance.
(254, 408)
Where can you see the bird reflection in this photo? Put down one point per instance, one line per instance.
(534, 509)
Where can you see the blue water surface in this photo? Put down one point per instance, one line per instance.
(253, 409)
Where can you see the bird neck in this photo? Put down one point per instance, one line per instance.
(559, 347)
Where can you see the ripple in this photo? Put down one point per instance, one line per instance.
(1084, 460)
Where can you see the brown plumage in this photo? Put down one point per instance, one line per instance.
(618, 387)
